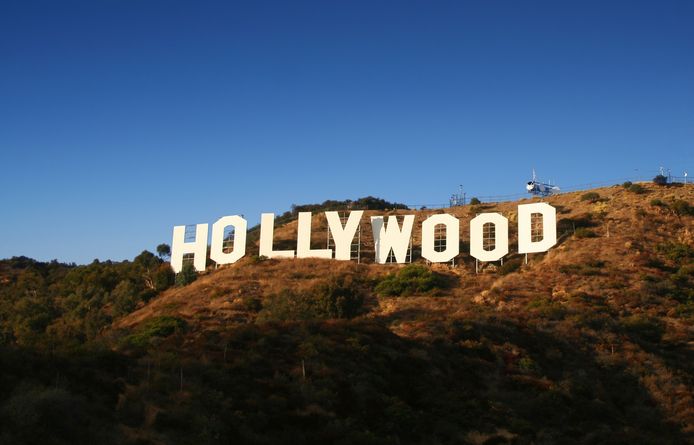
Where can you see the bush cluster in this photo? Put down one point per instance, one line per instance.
(583, 232)
(186, 276)
(636, 188)
(510, 266)
(340, 296)
(590, 197)
(411, 279)
(679, 207)
(676, 251)
(158, 327)
(682, 208)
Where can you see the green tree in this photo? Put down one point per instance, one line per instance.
(186, 276)
(164, 278)
(124, 298)
(164, 251)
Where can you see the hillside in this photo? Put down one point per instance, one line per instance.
(620, 229)
(592, 342)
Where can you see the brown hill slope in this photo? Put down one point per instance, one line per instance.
(620, 235)
(613, 300)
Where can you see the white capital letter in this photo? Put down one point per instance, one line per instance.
(391, 237)
(217, 253)
(452, 238)
(198, 248)
(303, 240)
(267, 232)
(343, 237)
(549, 227)
(500, 238)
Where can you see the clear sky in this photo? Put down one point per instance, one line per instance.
(122, 118)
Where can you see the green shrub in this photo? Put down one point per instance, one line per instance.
(637, 188)
(679, 285)
(676, 251)
(290, 305)
(548, 309)
(657, 203)
(475, 201)
(627, 184)
(251, 304)
(156, 327)
(682, 208)
(186, 276)
(411, 279)
(257, 259)
(590, 197)
(510, 266)
(583, 232)
(340, 296)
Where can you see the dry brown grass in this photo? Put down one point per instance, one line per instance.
(628, 229)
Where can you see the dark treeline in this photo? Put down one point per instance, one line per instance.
(44, 305)
(366, 203)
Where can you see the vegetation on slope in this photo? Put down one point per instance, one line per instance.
(411, 279)
(589, 343)
(52, 305)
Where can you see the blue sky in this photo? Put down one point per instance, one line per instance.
(120, 119)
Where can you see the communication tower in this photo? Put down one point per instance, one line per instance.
(457, 199)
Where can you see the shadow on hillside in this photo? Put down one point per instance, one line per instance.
(471, 381)
(357, 382)
(546, 386)
(676, 356)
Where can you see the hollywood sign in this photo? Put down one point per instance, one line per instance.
(388, 236)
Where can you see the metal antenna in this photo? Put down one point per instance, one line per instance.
(457, 199)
